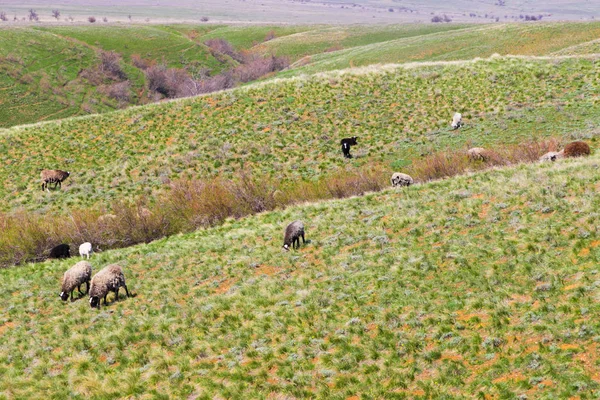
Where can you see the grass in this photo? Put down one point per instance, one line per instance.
(41, 65)
(478, 285)
(289, 130)
(456, 44)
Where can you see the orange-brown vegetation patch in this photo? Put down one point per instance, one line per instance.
(268, 270)
(6, 326)
(513, 376)
(225, 285)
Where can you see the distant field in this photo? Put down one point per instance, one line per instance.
(336, 12)
(483, 285)
(290, 129)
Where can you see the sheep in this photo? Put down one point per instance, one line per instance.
(293, 232)
(400, 179)
(109, 279)
(577, 149)
(77, 275)
(552, 156)
(477, 153)
(457, 121)
(55, 176)
(86, 250)
(346, 143)
(61, 251)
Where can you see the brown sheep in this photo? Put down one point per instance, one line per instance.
(77, 275)
(55, 176)
(109, 279)
(577, 149)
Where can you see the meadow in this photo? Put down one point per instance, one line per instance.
(46, 68)
(289, 130)
(479, 286)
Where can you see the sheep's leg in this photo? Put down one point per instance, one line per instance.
(79, 289)
(72, 295)
(104, 300)
(87, 287)
(126, 291)
(303, 241)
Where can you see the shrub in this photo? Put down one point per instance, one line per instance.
(91, 20)
(140, 62)
(56, 14)
(119, 91)
(33, 15)
(270, 35)
(3, 16)
(204, 19)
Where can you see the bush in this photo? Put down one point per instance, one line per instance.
(91, 20)
(119, 91)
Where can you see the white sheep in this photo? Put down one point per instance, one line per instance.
(457, 121)
(477, 153)
(400, 179)
(86, 250)
(552, 156)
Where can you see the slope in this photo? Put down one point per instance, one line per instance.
(479, 285)
(461, 44)
(290, 129)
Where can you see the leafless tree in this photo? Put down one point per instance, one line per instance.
(105, 19)
(3, 16)
(56, 14)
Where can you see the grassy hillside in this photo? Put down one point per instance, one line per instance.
(290, 129)
(483, 285)
(42, 65)
(459, 44)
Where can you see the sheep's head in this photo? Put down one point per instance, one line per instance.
(286, 247)
(94, 301)
(64, 296)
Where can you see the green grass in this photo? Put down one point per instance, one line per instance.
(484, 284)
(290, 129)
(40, 65)
(458, 44)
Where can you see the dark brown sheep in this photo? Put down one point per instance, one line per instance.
(293, 233)
(61, 251)
(55, 176)
(577, 149)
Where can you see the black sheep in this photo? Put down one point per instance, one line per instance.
(61, 251)
(346, 143)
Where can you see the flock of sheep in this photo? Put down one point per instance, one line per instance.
(111, 278)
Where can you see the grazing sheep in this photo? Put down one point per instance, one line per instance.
(457, 121)
(477, 153)
(55, 176)
(109, 279)
(86, 250)
(61, 251)
(552, 156)
(346, 143)
(400, 179)
(577, 149)
(293, 233)
(77, 275)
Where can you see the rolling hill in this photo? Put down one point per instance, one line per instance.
(479, 285)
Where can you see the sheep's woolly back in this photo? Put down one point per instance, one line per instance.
(106, 280)
(85, 249)
(400, 179)
(76, 275)
(54, 175)
(577, 149)
(293, 231)
(476, 153)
